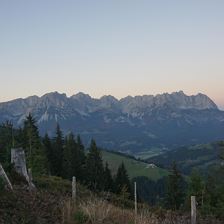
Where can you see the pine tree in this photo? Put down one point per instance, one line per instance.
(175, 189)
(78, 160)
(108, 180)
(94, 168)
(31, 137)
(211, 192)
(6, 143)
(48, 151)
(57, 158)
(36, 157)
(196, 187)
(122, 180)
(68, 153)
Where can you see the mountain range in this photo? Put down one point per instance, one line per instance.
(131, 124)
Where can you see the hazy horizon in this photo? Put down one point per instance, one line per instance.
(114, 48)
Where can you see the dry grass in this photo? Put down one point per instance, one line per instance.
(99, 211)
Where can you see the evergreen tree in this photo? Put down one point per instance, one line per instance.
(20, 138)
(36, 157)
(108, 180)
(214, 193)
(68, 154)
(6, 143)
(196, 187)
(122, 180)
(175, 189)
(94, 168)
(48, 151)
(149, 190)
(57, 152)
(78, 160)
(211, 193)
(31, 138)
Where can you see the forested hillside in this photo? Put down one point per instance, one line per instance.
(202, 157)
(105, 181)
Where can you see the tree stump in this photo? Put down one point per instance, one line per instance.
(19, 160)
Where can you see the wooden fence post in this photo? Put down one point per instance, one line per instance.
(193, 210)
(136, 211)
(74, 188)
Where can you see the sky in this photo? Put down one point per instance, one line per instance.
(116, 47)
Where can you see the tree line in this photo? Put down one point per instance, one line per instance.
(63, 156)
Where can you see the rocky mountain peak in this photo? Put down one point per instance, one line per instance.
(54, 95)
(81, 96)
(134, 106)
(108, 99)
(54, 99)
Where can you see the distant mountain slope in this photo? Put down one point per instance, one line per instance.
(134, 167)
(200, 157)
(131, 124)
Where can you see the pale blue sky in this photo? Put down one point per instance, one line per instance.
(117, 47)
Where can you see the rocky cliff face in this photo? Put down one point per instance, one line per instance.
(132, 123)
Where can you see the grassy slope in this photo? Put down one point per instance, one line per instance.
(135, 168)
(52, 204)
(152, 152)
